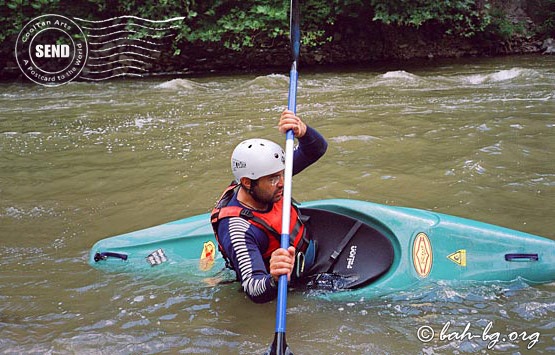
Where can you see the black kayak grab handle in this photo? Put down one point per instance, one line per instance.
(109, 254)
(521, 257)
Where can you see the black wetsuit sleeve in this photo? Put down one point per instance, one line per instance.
(312, 147)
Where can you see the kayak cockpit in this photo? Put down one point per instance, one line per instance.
(349, 252)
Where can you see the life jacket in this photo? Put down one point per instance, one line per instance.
(269, 222)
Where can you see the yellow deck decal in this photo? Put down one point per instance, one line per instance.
(422, 257)
(207, 257)
(458, 257)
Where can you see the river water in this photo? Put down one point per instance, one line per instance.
(84, 161)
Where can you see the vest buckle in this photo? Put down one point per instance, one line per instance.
(246, 213)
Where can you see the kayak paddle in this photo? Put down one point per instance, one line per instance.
(279, 345)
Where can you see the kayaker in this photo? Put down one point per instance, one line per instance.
(247, 217)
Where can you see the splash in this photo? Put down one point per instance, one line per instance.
(179, 84)
(400, 74)
(499, 76)
(271, 82)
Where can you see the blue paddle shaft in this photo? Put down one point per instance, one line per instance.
(287, 191)
(292, 100)
(279, 346)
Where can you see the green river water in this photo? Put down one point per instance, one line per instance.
(84, 161)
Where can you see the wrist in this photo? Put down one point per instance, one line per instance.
(273, 282)
(302, 130)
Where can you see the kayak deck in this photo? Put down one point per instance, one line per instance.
(395, 248)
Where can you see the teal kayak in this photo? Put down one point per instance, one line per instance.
(371, 248)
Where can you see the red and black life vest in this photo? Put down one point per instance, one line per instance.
(269, 222)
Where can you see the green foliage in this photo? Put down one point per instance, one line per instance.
(239, 24)
(14, 14)
(244, 24)
(503, 26)
(543, 12)
(459, 17)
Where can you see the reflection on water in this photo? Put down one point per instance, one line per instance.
(85, 161)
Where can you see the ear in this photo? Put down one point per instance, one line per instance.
(246, 182)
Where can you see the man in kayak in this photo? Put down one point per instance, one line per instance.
(247, 218)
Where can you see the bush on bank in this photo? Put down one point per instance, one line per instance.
(249, 34)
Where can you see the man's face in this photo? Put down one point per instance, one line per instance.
(269, 188)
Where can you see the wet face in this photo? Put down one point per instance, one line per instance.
(268, 189)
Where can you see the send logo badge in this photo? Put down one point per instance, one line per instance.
(51, 50)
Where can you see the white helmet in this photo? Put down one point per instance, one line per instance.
(255, 158)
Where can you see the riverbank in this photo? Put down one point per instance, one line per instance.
(240, 39)
(377, 44)
(362, 49)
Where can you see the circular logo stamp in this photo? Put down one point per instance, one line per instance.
(51, 50)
